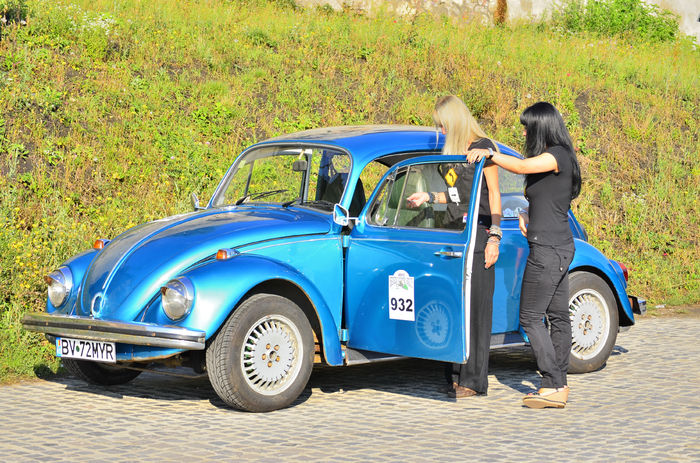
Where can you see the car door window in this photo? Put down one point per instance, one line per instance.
(512, 197)
(392, 209)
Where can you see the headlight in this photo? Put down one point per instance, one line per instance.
(60, 285)
(177, 298)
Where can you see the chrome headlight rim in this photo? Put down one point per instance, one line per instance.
(177, 297)
(60, 285)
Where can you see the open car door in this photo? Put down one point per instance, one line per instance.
(407, 274)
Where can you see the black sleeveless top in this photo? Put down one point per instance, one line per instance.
(463, 184)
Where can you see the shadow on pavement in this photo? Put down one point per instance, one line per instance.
(512, 367)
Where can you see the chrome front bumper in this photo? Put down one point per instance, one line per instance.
(142, 334)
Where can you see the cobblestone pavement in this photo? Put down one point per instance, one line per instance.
(643, 406)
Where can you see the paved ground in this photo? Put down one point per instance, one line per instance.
(643, 406)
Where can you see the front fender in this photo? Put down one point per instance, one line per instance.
(220, 285)
(588, 257)
(78, 265)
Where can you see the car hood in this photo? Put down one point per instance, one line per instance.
(129, 271)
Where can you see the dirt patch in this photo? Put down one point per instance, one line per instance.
(690, 311)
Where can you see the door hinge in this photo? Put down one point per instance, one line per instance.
(344, 335)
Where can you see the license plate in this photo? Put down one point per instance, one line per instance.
(98, 351)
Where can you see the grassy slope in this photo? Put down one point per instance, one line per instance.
(112, 112)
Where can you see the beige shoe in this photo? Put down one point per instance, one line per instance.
(460, 392)
(547, 398)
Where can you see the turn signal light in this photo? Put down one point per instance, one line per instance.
(226, 253)
(100, 243)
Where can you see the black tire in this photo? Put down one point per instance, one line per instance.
(99, 373)
(262, 357)
(594, 322)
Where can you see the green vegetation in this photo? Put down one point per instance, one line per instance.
(111, 113)
(633, 19)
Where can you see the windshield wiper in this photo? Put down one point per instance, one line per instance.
(289, 203)
(262, 194)
(321, 203)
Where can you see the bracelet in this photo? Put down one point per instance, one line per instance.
(495, 231)
(490, 156)
(493, 240)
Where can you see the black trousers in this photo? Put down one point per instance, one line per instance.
(545, 292)
(474, 374)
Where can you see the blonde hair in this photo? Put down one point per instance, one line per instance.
(460, 126)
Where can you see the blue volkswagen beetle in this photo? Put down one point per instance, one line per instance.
(307, 252)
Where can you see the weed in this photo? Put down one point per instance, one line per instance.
(12, 12)
(627, 18)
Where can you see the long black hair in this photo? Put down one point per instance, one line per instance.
(545, 128)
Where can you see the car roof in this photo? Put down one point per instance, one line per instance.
(367, 142)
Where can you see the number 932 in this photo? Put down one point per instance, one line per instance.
(401, 304)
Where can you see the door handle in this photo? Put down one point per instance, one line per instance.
(448, 253)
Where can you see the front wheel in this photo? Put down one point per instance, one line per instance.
(594, 322)
(262, 357)
(99, 373)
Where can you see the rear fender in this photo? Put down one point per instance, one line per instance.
(589, 259)
(220, 286)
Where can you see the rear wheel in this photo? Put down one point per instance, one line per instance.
(262, 357)
(594, 322)
(99, 373)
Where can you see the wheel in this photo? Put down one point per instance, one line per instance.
(594, 322)
(262, 357)
(99, 373)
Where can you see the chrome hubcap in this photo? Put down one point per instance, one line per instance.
(590, 320)
(270, 355)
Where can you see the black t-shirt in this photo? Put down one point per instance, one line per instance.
(549, 194)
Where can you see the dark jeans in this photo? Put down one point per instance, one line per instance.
(545, 292)
(474, 374)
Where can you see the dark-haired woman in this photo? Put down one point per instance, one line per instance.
(553, 179)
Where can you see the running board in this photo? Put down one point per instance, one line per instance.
(358, 357)
(511, 339)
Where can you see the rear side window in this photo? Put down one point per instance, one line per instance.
(512, 188)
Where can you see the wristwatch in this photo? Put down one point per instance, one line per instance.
(431, 197)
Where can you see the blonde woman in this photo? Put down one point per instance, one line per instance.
(462, 133)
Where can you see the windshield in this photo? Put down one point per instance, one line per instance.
(314, 177)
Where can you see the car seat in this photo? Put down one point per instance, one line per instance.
(397, 211)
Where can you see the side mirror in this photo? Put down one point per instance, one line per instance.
(195, 202)
(341, 216)
(299, 165)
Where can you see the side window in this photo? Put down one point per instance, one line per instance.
(512, 187)
(391, 207)
(370, 176)
(329, 174)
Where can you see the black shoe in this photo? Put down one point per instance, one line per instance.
(447, 387)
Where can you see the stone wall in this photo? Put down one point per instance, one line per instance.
(480, 10)
(484, 10)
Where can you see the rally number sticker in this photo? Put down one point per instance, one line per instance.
(401, 301)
